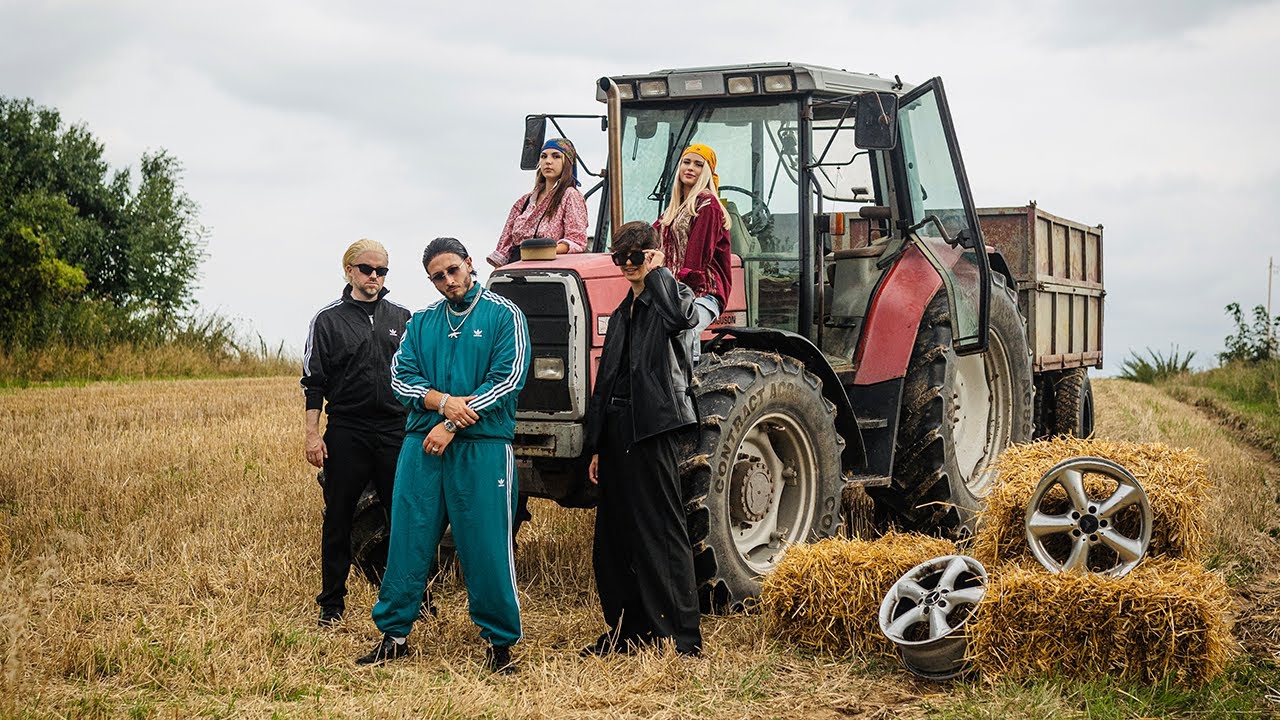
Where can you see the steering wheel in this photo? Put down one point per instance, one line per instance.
(759, 217)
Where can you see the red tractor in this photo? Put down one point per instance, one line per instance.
(873, 336)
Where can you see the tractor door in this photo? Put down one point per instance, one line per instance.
(939, 207)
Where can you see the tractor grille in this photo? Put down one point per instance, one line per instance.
(546, 307)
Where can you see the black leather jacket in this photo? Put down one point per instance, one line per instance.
(660, 375)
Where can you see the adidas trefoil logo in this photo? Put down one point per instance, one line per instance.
(478, 333)
(393, 332)
(502, 482)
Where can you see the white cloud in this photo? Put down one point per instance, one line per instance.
(304, 125)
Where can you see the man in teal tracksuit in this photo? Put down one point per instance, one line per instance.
(459, 370)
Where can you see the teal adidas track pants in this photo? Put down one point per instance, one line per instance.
(473, 485)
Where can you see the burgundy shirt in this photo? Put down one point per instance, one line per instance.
(707, 253)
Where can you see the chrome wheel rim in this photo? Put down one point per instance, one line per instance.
(1089, 514)
(926, 611)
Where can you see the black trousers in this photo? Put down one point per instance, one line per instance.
(641, 555)
(356, 458)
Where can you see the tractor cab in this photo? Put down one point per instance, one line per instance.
(820, 206)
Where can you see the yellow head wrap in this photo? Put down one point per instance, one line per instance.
(706, 153)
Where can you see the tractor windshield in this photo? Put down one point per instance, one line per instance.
(757, 159)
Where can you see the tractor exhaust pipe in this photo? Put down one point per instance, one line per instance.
(614, 166)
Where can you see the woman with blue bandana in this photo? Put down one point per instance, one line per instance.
(553, 209)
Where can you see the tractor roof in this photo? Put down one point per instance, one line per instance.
(714, 80)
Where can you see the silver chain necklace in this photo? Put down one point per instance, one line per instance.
(456, 330)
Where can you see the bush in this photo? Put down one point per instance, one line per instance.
(1156, 369)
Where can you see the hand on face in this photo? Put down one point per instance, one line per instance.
(653, 259)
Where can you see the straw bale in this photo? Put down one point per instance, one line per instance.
(1166, 619)
(1174, 480)
(827, 595)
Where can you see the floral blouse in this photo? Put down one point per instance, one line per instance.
(567, 224)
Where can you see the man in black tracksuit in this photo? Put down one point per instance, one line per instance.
(347, 363)
(642, 558)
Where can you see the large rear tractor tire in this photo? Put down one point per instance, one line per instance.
(957, 415)
(1073, 403)
(763, 473)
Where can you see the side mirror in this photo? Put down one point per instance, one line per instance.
(535, 133)
(876, 126)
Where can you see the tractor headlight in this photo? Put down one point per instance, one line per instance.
(548, 368)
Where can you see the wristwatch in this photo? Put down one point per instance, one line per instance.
(450, 426)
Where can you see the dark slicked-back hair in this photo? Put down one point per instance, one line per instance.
(443, 246)
(635, 235)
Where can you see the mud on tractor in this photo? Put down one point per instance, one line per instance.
(882, 331)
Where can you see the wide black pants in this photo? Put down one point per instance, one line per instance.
(356, 458)
(642, 559)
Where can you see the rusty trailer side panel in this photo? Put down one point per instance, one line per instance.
(1057, 264)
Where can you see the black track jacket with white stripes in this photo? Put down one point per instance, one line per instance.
(347, 363)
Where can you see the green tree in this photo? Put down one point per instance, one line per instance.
(80, 239)
(1251, 343)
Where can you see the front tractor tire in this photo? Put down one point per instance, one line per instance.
(957, 415)
(764, 471)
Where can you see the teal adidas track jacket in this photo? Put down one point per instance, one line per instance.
(488, 357)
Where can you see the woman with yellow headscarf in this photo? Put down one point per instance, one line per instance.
(695, 238)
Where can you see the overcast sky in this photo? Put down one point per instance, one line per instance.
(305, 125)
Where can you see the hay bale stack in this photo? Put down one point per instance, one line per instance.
(827, 595)
(1174, 480)
(1166, 619)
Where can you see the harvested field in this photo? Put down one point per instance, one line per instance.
(160, 556)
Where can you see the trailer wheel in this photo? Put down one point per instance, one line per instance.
(763, 473)
(958, 414)
(1073, 403)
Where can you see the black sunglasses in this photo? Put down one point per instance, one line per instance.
(635, 256)
(370, 270)
(450, 271)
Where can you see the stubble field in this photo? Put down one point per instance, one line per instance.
(159, 556)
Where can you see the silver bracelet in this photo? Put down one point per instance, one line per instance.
(443, 400)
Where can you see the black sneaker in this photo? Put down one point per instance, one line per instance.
(386, 649)
(498, 660)
(329, 617)
(604, 645)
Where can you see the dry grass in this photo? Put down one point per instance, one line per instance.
(158, 558)
(160, 545)
(61, 363)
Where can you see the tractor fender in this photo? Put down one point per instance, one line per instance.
(799, 347)
(894, 318)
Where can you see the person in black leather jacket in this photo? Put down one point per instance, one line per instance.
(642, 559)
(346, 370)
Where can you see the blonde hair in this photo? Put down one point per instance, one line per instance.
(358, 248)
(690, 201)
